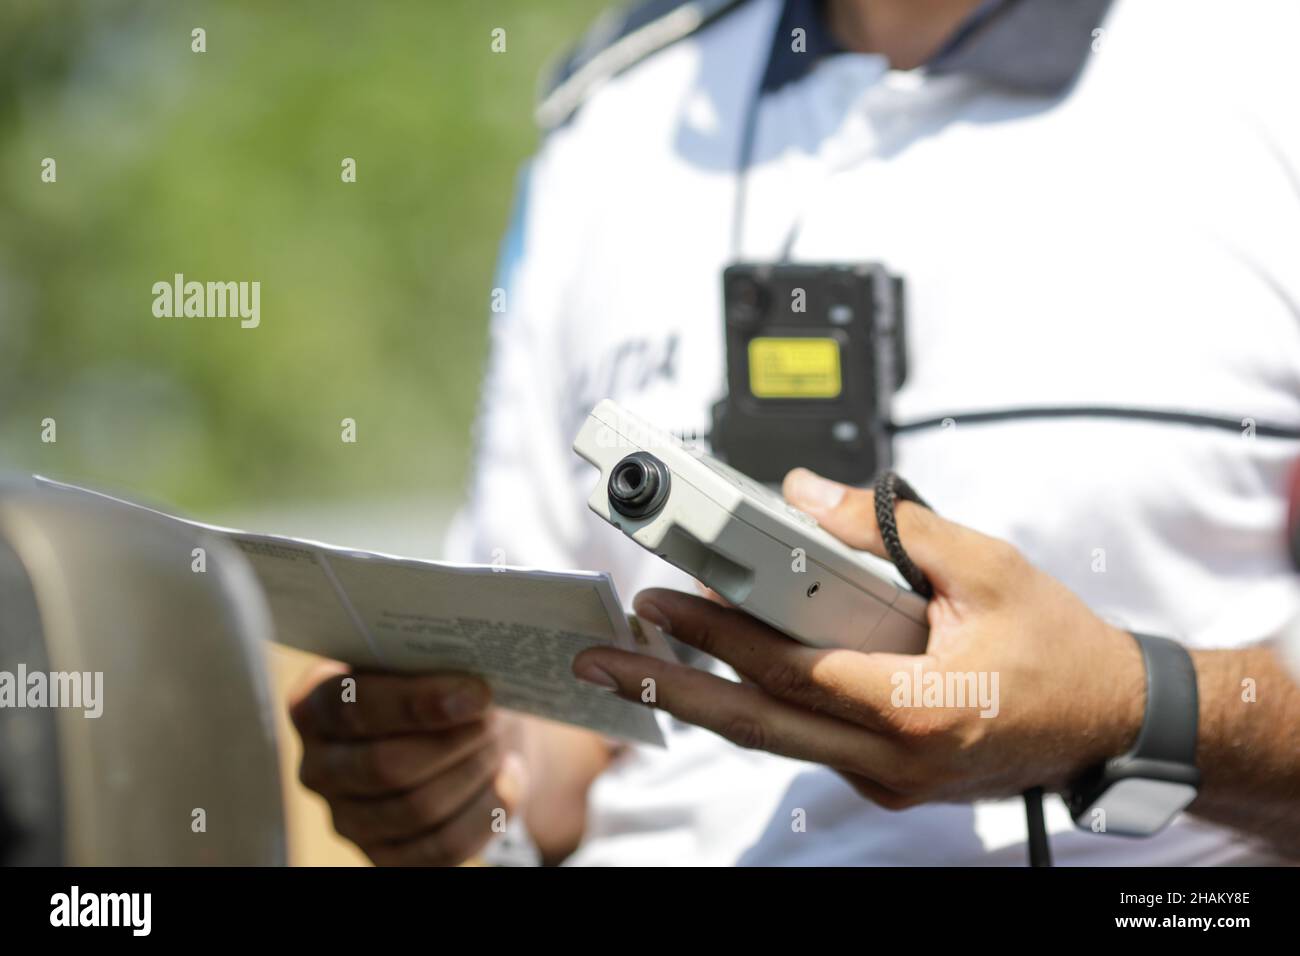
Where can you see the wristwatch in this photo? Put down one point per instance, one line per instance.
(1140, 792)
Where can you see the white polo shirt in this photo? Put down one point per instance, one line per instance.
(1133, 241)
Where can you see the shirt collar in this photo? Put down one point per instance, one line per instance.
(1034, 46)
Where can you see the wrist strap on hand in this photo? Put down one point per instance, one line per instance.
(890, 488)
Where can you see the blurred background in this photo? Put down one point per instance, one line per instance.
(225, 166)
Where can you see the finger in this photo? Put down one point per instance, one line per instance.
(390, 765)
(712, 595)
(944, 550)
(741, 713)
(879, 794)
(468, 831)
(854, 686)
(851, 518)
(322, 673)
(381, 705)
(318, 672)
(403, 816)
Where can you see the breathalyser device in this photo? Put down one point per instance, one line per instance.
(744, 541)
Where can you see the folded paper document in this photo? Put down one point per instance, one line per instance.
(517, 628)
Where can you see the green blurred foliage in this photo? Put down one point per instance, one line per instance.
(225, 165)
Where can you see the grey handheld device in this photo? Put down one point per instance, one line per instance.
(744, 541)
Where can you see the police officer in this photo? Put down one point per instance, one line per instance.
(1096, 209)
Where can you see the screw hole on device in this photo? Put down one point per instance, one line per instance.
(814, 588)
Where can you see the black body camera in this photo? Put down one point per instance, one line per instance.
(814, 355)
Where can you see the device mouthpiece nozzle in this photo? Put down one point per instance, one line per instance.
(638, 485)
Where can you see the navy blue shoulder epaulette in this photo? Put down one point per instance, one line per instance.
(620, 39)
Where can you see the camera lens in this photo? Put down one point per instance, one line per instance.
(638, 485)
(746, 300)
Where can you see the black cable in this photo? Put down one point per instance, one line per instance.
(1040, 848)
(889, 489)
(1261, 429)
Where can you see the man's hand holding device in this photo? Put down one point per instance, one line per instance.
(993, 613)
(1106, 717)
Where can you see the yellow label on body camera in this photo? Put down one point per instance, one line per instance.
(794, 368)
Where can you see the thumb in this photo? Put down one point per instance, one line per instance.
(512, 782)
(942, 549)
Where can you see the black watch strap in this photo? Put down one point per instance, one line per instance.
(1169, 726)
(1163, 754)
